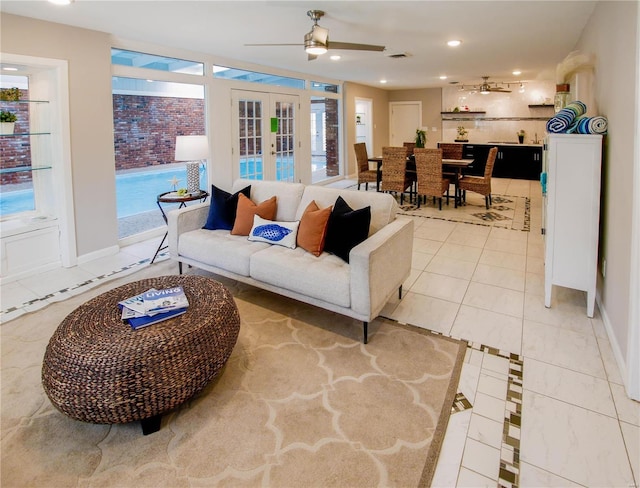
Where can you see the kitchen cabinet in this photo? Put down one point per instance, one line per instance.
(512, 160)
(520, 162)
(571, 213)
(479, 154)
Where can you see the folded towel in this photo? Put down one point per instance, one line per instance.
(589, 125)
(561, 121)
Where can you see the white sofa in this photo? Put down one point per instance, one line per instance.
(359, 289)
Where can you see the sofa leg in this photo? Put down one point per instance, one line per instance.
(400, 292)
(365, 329)
(179, 267)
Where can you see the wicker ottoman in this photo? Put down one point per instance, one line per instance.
(98, 369)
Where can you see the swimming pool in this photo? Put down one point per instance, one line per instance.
(135, 192)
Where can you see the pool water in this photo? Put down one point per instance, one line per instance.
(135, 192)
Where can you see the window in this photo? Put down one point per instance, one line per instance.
(16, 165)
(134, 59)
(147, 117)
(325, 138)
(325, 87)
(256, 77)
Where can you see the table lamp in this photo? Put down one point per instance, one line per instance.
(192, 148)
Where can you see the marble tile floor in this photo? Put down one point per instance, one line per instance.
(547, 403)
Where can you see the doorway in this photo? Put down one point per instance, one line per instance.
(364, 122)
(404, 119)
(265, 135)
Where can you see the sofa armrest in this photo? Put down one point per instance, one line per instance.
(380, 265)
(184, 220)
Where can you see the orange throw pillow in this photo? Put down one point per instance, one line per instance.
(313, 228)
(247, 209)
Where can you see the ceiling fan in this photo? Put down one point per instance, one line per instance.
(487, 87)
(316, 41)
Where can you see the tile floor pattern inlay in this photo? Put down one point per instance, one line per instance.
(492, 439)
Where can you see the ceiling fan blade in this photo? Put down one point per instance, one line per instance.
(253, 45)
(319, 34)
(354, 46)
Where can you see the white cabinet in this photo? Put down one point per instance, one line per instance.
(571, 213)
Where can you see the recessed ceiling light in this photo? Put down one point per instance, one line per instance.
(61, 2)
(454, 43)
(516, 72)
(443, 77)
(383, 81)
(335, 57)
(9, 68)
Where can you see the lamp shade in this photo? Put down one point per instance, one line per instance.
(192, 148)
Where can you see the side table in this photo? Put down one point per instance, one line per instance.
(171, 197)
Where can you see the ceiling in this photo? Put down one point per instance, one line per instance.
(497, 36)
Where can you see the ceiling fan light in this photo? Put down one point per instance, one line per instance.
(311, 46)
(315, 50)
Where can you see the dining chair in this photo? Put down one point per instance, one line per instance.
(365, 175)
(429, 171)
(394, 174)
(409, 146)
(479, 184)
(451, 151)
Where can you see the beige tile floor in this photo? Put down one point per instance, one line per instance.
(485, 285)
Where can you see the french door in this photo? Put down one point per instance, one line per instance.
(265, 135)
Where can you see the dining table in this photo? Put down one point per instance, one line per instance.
(454, 165)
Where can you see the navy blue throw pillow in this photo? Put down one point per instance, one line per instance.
(223, 207)
(346, 228)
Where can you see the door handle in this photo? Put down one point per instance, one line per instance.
(273, 153)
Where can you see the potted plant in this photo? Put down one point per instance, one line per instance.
(7, 118)
(462, 134)
(10, 94)
(521, 135)
(7, 122)
(421, 138)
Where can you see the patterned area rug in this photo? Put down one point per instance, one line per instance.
(301, 402)
(506, 211)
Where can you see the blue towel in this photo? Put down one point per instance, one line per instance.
(589, 125)
(561, 121)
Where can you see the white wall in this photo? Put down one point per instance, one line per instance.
(512, 105)
(611, 35)
(91, 115)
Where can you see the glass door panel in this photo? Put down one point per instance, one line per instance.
(265, 120)
(285, 141)
(250, 139)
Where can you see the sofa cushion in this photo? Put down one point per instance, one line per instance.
(288, 194)
(222, 209)
(273, 232)
(324, 278)
(247, 209)
(220, 249)
(313, 228)
(383, 206)
(346, 229)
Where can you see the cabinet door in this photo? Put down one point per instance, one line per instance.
(479, 154)
(519, 162)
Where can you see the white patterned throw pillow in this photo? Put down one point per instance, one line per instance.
(279, 233)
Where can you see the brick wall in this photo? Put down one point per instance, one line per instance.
(145, 128)
(15, 151)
